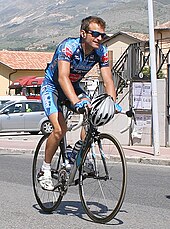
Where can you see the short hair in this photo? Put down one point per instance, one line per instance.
(86, 22)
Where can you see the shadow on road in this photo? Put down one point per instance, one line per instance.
(74, 208)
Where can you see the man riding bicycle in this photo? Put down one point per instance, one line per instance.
(73, 58)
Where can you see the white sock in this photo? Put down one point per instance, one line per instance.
(46, 166)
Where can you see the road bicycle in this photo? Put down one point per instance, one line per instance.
(102, 190)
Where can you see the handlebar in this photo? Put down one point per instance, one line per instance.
(131, 117)
(79, 124)
(82, 110)
(130, 114)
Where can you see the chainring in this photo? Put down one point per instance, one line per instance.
(63, 178)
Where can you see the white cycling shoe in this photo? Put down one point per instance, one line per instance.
(45, 180)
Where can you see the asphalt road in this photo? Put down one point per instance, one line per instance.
(147, 202)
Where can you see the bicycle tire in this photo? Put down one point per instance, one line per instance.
(47, 200)
(103, 197)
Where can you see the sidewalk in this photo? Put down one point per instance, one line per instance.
(134, 154)
(145, 155)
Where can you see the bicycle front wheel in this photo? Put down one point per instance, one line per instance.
(102, 191)
(47, 200)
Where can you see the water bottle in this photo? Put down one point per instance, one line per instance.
(67, 165)
(68, 151)
(75, 151)
(71, 154)
(68, 156)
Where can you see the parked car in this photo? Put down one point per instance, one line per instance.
(24, 116)
(6, 98)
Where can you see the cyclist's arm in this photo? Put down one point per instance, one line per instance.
(64, 81)
(108, 82)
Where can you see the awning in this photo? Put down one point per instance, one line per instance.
(26, 81)
(34, 82)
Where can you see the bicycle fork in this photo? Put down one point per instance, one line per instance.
(103, 159)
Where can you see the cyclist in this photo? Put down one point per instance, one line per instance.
(73, 58)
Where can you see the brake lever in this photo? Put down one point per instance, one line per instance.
(131, 113)
(83, 110)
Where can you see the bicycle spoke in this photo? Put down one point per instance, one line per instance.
(47, 200)
(102, 194)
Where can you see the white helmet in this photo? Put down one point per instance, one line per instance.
(103, 109)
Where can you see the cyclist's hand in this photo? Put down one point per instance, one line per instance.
(118, 108)
(82, 106)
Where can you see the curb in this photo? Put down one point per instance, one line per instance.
(16, 151)
(148, 161)
(137, 159)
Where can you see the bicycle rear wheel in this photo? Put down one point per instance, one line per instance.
(47, 200)
(102, 192)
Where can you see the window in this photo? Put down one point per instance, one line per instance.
(33, 107)
(15, 108)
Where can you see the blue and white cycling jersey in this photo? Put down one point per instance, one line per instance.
(71, 50)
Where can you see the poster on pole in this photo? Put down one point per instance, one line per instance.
(142, 95)
(142, 129)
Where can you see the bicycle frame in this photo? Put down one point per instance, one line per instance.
(91, 135)
(88, 142)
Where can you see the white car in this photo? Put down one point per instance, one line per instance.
(6, 98)
(24, 116)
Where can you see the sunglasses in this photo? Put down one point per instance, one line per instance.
(96, 34)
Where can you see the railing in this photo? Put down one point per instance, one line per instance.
(130, 66)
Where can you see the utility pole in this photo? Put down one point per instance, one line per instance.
(168, 105)
(155, 121)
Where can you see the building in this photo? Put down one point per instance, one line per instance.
(162, 36)
(119, 42)
(16, 64)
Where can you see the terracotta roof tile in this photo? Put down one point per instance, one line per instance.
(25, 60)
(139, 36)
(165, 25)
